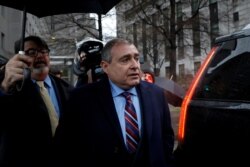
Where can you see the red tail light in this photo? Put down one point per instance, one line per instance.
(189, 94)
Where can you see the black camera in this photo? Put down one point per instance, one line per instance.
(88, 58)
(92, 53)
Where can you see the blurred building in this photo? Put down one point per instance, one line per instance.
(11, 27)
(196, 25)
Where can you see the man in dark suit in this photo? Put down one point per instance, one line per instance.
(26, 134)
(94, 128)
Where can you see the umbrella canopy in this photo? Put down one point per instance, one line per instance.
(173, 91)
(61, 7)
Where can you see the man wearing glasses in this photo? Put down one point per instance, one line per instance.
(26, 130)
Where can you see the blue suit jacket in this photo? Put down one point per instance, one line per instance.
(90, 133)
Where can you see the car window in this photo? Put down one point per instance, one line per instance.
(228, 74)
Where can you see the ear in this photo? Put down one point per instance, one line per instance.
(104, 66)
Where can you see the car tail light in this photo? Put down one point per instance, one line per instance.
(189, 94)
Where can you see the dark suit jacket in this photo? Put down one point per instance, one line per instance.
(25, 132)
(90, 133)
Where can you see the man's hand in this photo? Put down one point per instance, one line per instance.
(14, 70)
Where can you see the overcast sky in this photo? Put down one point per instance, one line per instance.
(109, 23)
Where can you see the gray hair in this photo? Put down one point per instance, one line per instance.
(106, 51)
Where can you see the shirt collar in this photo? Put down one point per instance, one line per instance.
(116, 91)
(47, 82)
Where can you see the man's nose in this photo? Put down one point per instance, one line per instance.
(135, 63)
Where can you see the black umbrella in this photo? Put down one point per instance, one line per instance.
(43, 8)
(173, 91)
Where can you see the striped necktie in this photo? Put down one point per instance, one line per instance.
(51, 109)
(132, 130)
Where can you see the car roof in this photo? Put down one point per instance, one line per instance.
(238, 34)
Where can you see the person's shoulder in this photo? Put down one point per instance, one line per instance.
(89, 87)
(86, 92)
(150, 86)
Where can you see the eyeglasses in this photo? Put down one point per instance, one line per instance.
(34, 52)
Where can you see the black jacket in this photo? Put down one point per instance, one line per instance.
(90, 132)
(25, 132)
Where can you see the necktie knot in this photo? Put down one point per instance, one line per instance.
(40, 84)
(127, 95)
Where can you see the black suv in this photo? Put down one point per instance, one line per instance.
(214, 125)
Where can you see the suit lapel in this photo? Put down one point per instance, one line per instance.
(108, 106)
(146, 108)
